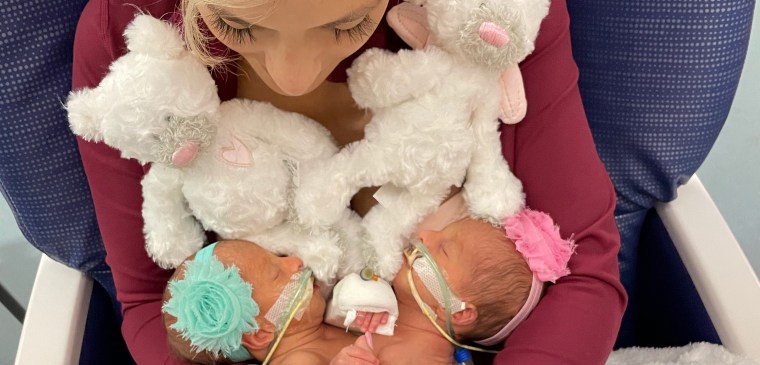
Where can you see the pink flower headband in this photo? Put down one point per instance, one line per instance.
(537, 238)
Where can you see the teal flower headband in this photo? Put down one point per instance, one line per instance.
(213, 306)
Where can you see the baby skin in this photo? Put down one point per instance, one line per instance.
(482, 268)
(305, 341)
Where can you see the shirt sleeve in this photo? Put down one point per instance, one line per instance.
(553, 153)
(116, 192)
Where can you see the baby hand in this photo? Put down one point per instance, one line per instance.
(360, 353)
(369, 321)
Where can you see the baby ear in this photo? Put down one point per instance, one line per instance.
(156, 38)
(259, 340)
(465, 317)
(84, 114)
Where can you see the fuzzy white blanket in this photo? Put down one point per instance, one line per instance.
(693, 354)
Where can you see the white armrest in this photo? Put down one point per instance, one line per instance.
(724, 279)
(55, 319)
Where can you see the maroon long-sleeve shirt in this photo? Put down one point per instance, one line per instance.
(551, 151)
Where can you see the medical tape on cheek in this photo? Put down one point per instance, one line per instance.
(432, 281)
(298, 289)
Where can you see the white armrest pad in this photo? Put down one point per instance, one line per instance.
(716, 263)
(54, 323)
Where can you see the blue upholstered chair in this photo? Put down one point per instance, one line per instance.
(42, 179)
(657, 79)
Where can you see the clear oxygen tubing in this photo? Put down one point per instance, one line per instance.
(289, 306)
(418, 252)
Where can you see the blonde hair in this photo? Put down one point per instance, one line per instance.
(198, 39)
(499, 287)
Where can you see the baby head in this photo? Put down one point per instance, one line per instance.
(495, 278)
(231, 300)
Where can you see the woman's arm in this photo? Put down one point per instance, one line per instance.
(553, 153)
(115, 186)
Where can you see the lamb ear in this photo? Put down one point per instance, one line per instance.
(410, 23)
(151, 36)
(513, 102)
(84, 116)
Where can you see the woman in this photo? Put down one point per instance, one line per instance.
(295, 57)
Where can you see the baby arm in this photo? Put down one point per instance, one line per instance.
(360, 353)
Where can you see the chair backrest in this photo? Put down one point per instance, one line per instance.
(41, 173)
(657, 80)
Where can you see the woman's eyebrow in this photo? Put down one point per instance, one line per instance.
(222, 13)
(354, 16)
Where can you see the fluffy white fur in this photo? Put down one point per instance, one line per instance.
(157, 99)
(697, 353)
(435, 123)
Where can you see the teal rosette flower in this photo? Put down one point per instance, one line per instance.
(213, 306)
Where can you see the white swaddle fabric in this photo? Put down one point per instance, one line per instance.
(352, 294)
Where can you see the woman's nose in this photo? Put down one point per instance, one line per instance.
(291, 264)
(293, 68)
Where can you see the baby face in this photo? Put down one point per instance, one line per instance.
(454, 250)
(293, 45)
(269, 274)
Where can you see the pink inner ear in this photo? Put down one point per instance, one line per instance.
(410, 23)
(493, 34)
(184, 155)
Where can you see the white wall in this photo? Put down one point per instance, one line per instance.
(18, 265)
(731, 172)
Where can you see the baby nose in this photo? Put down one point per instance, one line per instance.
(431, 239)
(292, 264)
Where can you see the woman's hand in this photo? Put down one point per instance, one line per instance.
(360, 353)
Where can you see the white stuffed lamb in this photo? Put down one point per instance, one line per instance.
(435, 123)
(226, 167)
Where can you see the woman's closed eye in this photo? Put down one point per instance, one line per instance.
(243, 33)
(357, 32)
(239, 33)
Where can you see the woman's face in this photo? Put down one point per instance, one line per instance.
(293, 45)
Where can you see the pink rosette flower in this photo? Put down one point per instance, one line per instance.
(537, 238)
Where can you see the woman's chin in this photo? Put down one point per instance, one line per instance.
(287, 89)
(301, 92)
